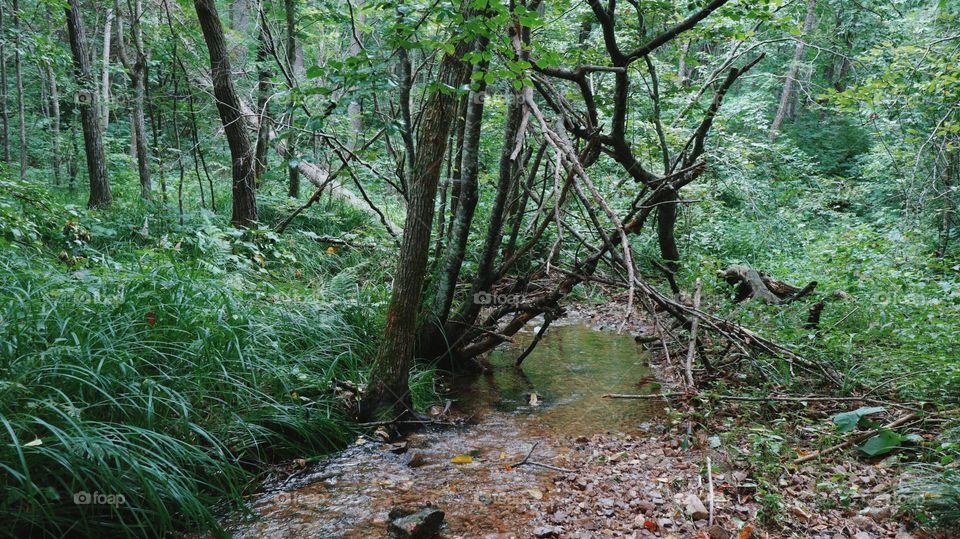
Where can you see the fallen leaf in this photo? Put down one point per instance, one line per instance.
(745, 532)
(536, 494)
(462, 459)
(151, 318)
(34, 443)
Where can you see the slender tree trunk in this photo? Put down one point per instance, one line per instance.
(469, 194)
(240, 15)
(263, 93)
(72, 158)
(406, 84)
(100, 195)
(787, 93)
(458, 126)
(353, 109)
(4, 112)
(949, 207)
(682, 72)
(666, 223)
(21, 100)
(55, 112)
(388, 392)
(138, 78)
(228, 104)
(293, 173)
(105, 73)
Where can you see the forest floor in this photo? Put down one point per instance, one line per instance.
(655, 484)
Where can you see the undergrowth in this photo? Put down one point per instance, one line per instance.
(149, 370)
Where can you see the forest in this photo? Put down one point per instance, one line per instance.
(480, 268)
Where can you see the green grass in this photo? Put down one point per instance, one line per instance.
(166, 366)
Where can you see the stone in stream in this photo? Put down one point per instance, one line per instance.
(422, 523)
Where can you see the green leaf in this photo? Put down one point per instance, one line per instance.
(881, 444)
(847, 421)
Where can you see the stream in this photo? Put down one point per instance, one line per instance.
(350, 494)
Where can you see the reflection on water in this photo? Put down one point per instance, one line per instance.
(350, 494)
(571, 369)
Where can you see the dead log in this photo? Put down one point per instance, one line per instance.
(813, 317)
(751, 283)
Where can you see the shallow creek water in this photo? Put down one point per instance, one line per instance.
(350, 494)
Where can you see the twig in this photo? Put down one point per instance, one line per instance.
(652, 396)
(772, 398)
(856, 439)
(692, 349)
(710, 495)
(527, 457)
(526, 460)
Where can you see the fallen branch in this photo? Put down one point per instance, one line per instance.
(692, 349)
(710, 494)
(856, 439)
(526, 460)
(772, 398)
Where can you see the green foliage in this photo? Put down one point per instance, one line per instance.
(163, 364)
(847, 421)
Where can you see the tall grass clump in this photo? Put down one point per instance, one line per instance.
(146, 376)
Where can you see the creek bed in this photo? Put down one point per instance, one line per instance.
(350, 494)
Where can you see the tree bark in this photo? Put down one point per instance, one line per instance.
(137, 72)
(791, 79)
(105, 72)
(469, 194)
(228, 104)
(356, 45)
(293, 173)
(55, 113)
(21, 103)
(263, 93)
(4, 112)
(388, 392)
(100, 195)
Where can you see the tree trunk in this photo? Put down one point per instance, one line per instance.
(228, 104)
(72, 158)
(105, 73)
(353, 109)
(263, 93)
(21, 103)
(666, 222)
(100, 195)
(240, 15)
(460, 233)
(293, 183)
(55, 112)
(790, 81)
(4, 112)
(388, 392)
(138, 79)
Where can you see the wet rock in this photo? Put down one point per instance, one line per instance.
(694, 507)
(415, 524)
